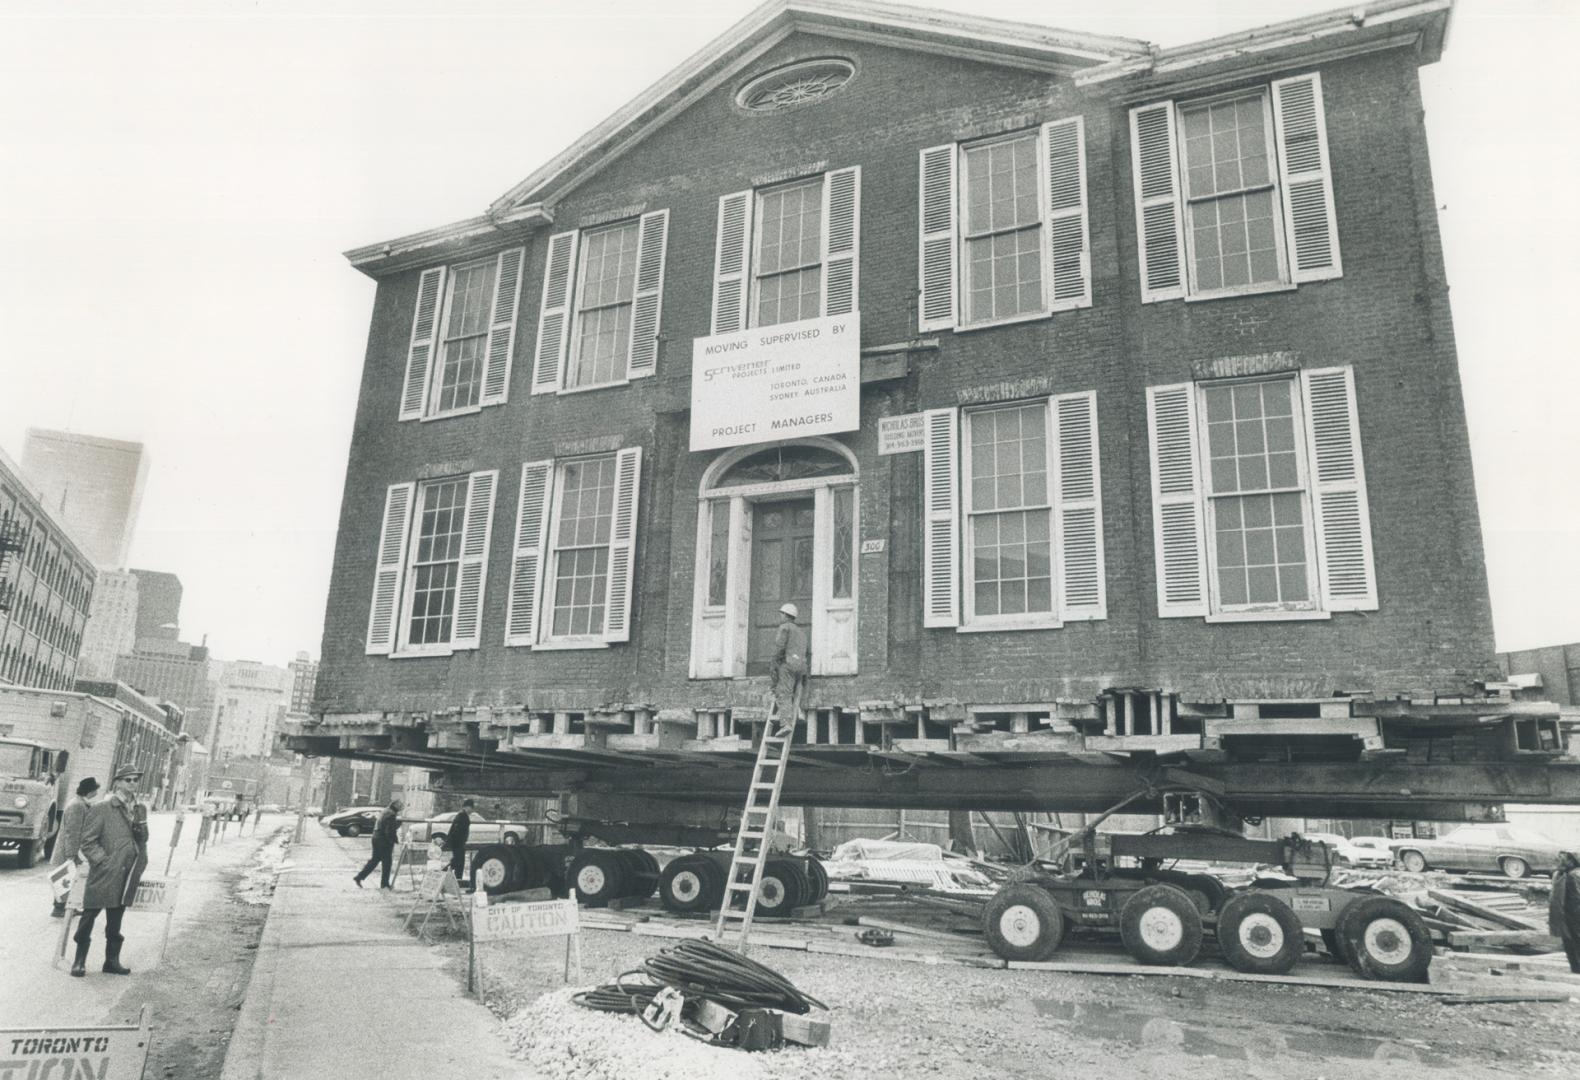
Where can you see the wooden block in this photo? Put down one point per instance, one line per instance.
(803, 1030)
(1483, 911)
(1534, 938)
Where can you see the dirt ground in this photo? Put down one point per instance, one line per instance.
(895, 1018)
(198, 988)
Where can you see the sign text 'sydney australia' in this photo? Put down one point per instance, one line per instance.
(776, 382)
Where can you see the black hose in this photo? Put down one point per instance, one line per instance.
(700, 970)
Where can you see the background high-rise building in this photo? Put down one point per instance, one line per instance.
(304, 677)
(94, 485)
(249, 703)
(172, 671)
(158, 605)
(112, 625)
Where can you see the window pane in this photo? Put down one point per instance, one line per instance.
(790, 252)
(471, 292)
(718, 552)
(435, 565)
(1260, 550)
(844, 539)
(581, 551)
(1004, 274)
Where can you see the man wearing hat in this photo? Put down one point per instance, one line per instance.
(114, 842)
(69, 840)
(385, 834)
(787, 671)
(1563, 907)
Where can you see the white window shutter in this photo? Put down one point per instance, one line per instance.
(731, 263)
(1068, 244)
(937, 263)
(1308, 179)
(652, 240)
(1343, 519)
(554, 314)
(391, 564)
(526, 564)
(1160, 227)
(940, 518)
(502, 327)
(1176, 501)
(841, 240)
(466, 630)
(424, 329)
(1078, 504)
(622, 545)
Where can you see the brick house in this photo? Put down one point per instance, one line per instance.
(1166, 332)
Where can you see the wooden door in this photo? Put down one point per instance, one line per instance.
(782, 534)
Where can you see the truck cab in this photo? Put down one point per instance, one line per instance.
(32, 782)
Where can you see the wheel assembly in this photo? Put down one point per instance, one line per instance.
(641, 873)
(685, 884)
(819, 879)
(496, 869)
(1513, 866)
(1385, 939)
(1161, 924)
(778, 890)
(598, 875)
(1261, 934)
(1023, 922)
(1413, 861)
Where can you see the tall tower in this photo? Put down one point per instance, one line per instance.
(94, 485)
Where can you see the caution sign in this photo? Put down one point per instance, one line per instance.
(156, 894)
(104, 1053)
(507, 922)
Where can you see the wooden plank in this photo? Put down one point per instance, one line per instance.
(1482, 911)
(1230, 976)
(916, 931)
(1533, 938)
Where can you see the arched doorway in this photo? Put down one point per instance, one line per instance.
(776, 522)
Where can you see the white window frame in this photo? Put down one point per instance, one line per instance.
(425, 354)
(573, 344)
(1039, 620)
(1275, 185)
(430, 408)
(1044, 259)
(403, 645)
(547, 639)
(754, 294)
(1218, 611)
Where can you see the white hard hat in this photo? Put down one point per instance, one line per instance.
(790, 610)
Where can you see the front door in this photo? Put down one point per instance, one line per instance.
(781, 573)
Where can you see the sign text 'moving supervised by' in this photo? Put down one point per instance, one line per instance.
(776, 382)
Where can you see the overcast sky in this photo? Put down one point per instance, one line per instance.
(177, 181)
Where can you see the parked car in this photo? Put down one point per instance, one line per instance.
(353, 821)
(1348, 853)
(1509, 849)
(483, 831)
(1380, 844)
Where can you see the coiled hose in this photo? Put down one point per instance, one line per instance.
(700, 970)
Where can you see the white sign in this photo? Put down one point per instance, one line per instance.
(155, 894)
(504, 922)
(104, 1053)
(776, 382)
(900, 434)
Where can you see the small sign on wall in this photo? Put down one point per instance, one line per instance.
(900, 434)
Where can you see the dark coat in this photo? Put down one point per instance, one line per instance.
(789, 659)
(384, 833)
(114, 844)
(460, 829)
(69, 840)
(1563, 907)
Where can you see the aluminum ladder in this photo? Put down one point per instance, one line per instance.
(751, 839)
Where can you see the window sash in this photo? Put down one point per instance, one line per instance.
(982, 231)
(433, 565)
(601, 338)
(579, 550)
(1022, 522)
(1226, 515)
(1264, 267)
(463, 337)
(787, 270)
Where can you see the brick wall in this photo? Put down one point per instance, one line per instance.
(1387, 316)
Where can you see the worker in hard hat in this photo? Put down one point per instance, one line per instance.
(787, 671)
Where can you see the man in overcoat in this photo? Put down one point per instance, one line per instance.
(1563, 907)
(787, 671)
(114, 841)
(455, 840)
(384, 836)
(69, 840)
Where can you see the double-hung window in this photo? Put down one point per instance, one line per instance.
(787, 252)
(603, 292)
(432, 565)
(1013, 534)
(462, 338)
(574, 554)
(1004, 228)
(1259, 498)
(1234, 193)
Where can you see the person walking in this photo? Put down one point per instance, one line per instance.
(787, 671)
(383, 845)
(114, 842)
(455, 840)
(68, 842)
(1563, 907)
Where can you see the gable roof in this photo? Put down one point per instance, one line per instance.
(1102, 63)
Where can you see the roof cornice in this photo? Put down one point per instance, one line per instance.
(473, 236)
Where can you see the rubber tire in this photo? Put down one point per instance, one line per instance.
(495, 869)
(353, 830)
(1045, 933)
(613, 882)
(25, 852)
(699, 872)
(778, 871)
(513, 839)
(1507, 862)
(804, 887)
(819, 879)
(1175, 900)
(1352, 931)
(1233, 915)
(638, 878)
(1335, 946)
(1412, 861)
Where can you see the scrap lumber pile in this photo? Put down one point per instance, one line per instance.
(915, 865)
